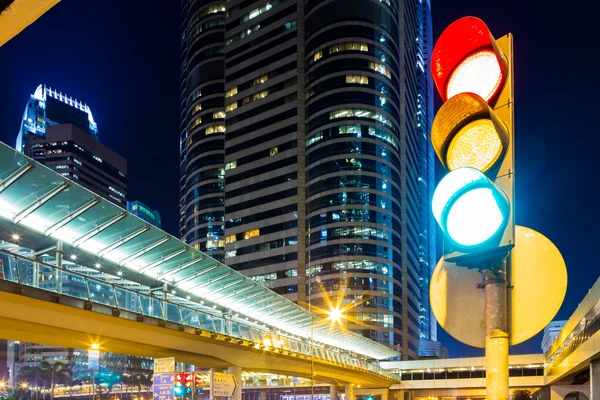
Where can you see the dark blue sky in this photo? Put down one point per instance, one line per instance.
(122, 58)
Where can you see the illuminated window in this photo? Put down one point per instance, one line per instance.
(381, 69)
(231, 107)
(215, 129)
(251, 234)
(360, 79)
(260, 95)
(348, 46)
(230, 239)
(231, 253)
(97, 158)
(77, 161)
(274, 150)
(231, 165)
(219, 115)
(61, 167)
(196, 109)
(360, 113)
(260, 80)
(232, 92)
(318, 55)
(195, 123)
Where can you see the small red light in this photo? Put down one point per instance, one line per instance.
(467, 59)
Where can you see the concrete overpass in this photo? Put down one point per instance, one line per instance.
(77, 269)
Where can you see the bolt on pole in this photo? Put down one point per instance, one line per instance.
(496, 341)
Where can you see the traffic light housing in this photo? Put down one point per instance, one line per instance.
(198, 383)
(179, 386)
(189, 383)
(472, 135)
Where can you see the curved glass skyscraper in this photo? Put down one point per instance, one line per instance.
(317, 184)
(202, 129)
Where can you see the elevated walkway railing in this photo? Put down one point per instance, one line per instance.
(60, 280)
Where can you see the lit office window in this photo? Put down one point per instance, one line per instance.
(197, 108)
(348, 46)
(260, 80)
(215, 129)
(251, 234)
(230, 239)
(360, 79)
(231, 165)
(195, 123)
(232, 92)
(273, 150)
(231, 107)
(219, 115)
(318, 55)
(359, 113)
(381, 69)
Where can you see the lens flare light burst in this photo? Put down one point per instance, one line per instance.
(336, 307)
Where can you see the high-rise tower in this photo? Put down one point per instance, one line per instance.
(304, 153)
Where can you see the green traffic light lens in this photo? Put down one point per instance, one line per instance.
(469, 208)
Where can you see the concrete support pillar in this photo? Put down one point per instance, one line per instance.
(350, 391)
(385, 395)
(263, 395)
(333, 392)
(595, 380)
(237, 373)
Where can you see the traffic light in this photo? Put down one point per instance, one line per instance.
(472, 135)
(198, 383)
(178, 388)
(189, 382)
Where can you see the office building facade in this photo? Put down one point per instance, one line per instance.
(48, 107)
(551, 332)
(75, 154)
(304, 153)
(144, 212)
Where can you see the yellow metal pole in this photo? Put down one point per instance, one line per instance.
(496, 341)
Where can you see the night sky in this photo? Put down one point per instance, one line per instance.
(121, 57)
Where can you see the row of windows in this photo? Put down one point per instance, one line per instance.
(274, 244)
(356, 130)
(355, 215)
(346, 46)
(350, 148)
(360, 113)
(289, 273)
(351, 232)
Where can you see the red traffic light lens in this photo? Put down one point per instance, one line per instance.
(466, 59)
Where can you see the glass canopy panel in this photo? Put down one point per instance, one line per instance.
(137, 244)
(166, 249)
(176, 262)
(59, 207)
(87, 222)
(11, 162)
(31, 186)
(112, 235)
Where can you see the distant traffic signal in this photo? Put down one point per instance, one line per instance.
(198, 383)
(189, 383)
(179, 387)
(472, 135)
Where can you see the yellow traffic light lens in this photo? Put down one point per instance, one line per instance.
(480, 73)
(476, 145)
(467, 133)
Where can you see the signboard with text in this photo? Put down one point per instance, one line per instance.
(163, 387)
(222, 384)
(93, 359)
(164, 365)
